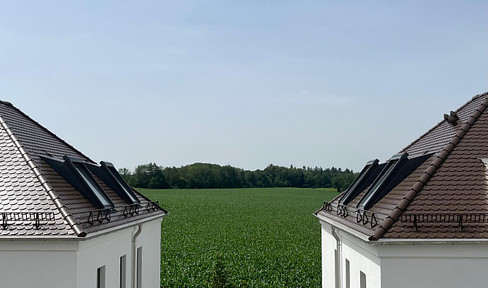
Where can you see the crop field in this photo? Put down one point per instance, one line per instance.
(264, 237)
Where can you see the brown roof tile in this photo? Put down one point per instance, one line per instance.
(451, 183)
(28, 185)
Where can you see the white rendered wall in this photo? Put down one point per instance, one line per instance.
(106, 250)
(405, 264)
(362, 257)
(435, 265)
(37, 264)
(150, 240)
(328, 262)
(73, 263)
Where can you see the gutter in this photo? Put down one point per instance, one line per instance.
(444, 241)
(123, 226)
(134, 260)
(343, 227)
(338, 259)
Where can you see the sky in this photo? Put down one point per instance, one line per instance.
(242, 83)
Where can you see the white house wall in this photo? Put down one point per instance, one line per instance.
(72, 263)
(361, 256)
(405, 264)
(328, 247)
(434, 265)
(150, 239)
(106, 250)
(37, 264)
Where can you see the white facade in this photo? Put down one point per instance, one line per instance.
(402, 264)
(53, 263)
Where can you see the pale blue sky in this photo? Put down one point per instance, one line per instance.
(245, 83)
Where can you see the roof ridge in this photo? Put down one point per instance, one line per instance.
(45, 129)
(431, 169)
(57, 202)
(442, 121)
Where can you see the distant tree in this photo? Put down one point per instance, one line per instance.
(205, 175)
(150, 176)
(125, 173)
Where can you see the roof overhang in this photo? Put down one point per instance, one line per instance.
(403, 241)
(451, 241)
(120, 227)
(343, 227)
(87, 237)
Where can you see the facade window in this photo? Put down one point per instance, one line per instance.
(139, 267)
(101, 277)
(362, 280)
(348, 274)
(122, 271)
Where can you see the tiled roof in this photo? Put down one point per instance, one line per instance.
(446, 197)
(36, 201)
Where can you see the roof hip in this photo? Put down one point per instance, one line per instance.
(427, 174)
(49, 190)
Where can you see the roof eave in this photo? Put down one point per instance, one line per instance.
(343, 227)
(417, 241)
(123, 226)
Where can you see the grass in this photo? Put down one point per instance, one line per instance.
(265, 237)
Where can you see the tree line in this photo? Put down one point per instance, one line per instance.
(205, 175)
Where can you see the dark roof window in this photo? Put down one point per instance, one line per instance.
(381, 181)
(77, 174)
(396, 169)
(363, 180)
(108, 174)
(91, 182)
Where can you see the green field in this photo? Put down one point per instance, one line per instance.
(267, 237)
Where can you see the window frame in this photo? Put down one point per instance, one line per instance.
(109, 175)
(92, 184)
(139, 267)
(123, 271)
(101, 277)
(75, 172)
(357, 185)
(362, 279)
(382, 180)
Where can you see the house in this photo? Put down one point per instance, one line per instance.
(67, 221)
(421, 218)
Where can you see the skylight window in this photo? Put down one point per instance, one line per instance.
(394, 171)
(90, 181)
(121, 183)
(362, 181)
(108, 174)
(375, 192)
(77, 174)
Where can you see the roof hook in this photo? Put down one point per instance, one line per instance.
(452, 118)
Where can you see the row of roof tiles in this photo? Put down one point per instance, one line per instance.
(452, 180)
(30, 188)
